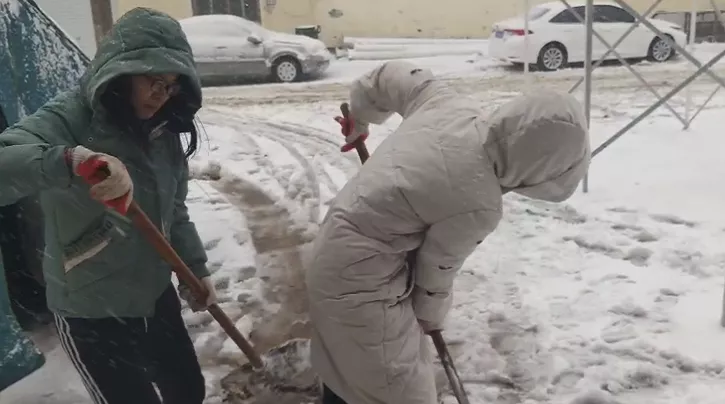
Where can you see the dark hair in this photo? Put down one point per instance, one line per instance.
(177, 114)
(3, 121)
(193, 143)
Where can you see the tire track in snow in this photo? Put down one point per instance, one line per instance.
(246, 127)
(320, 141)
(317, 139)
(605, 79)
(319, 149)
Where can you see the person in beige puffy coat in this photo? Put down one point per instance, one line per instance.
(380, 272)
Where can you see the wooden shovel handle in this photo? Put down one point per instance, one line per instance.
(449, 367)
(162, 246)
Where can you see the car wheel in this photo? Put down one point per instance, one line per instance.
(660, 50)
(552, 57)
(287, 70)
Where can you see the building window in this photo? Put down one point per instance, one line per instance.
(248, 9)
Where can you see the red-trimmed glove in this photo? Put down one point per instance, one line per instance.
(352, 130)
(110, 182)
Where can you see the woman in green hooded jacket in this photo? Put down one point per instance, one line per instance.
(116, 311)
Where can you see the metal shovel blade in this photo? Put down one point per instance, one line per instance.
(286, 378)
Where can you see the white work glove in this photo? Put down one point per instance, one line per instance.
(185, 293)
(117, 185)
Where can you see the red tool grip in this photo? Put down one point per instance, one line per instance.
(358, 144)
(94, 171)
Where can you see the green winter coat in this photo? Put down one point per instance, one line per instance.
(119, 273)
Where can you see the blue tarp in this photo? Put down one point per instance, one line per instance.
(18, 356)
(37, 61)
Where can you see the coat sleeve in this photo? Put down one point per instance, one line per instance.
(387, 89)
(32, 156)
(446, 246)
(184, 236)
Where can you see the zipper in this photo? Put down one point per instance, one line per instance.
(146, 324)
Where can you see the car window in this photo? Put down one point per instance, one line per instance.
(609, 14)
(569, 16)
(706, 16)
(674, 17)
(253, 28)
(536, 13)
(216, 27)
(240, 28)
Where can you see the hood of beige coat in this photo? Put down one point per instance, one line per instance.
(539, 145)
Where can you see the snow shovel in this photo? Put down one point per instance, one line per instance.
(95, 171)
(437, 335)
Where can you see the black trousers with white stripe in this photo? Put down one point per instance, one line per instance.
(120, 359)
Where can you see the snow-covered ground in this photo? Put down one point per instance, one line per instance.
(613, 295)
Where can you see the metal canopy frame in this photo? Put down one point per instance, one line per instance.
(662, 100)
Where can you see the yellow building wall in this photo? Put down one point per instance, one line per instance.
(176, 8)
(412, 18)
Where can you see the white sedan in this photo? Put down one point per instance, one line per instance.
(557, 36)
(227, 47)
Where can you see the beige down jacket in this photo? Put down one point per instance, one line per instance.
(431, 190)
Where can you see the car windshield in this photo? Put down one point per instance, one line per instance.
(256, 29)
(536, 13)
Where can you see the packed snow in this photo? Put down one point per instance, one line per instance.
(614, 296)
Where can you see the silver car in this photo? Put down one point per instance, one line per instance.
(227, 47)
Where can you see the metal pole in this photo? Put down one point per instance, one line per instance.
(703, 69)
(102, 15)
(718, 13)
(690, 48)
(707, 101)
(722, 317)
(526, 46)
(589, 22)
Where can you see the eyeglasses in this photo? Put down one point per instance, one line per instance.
(160, 86)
